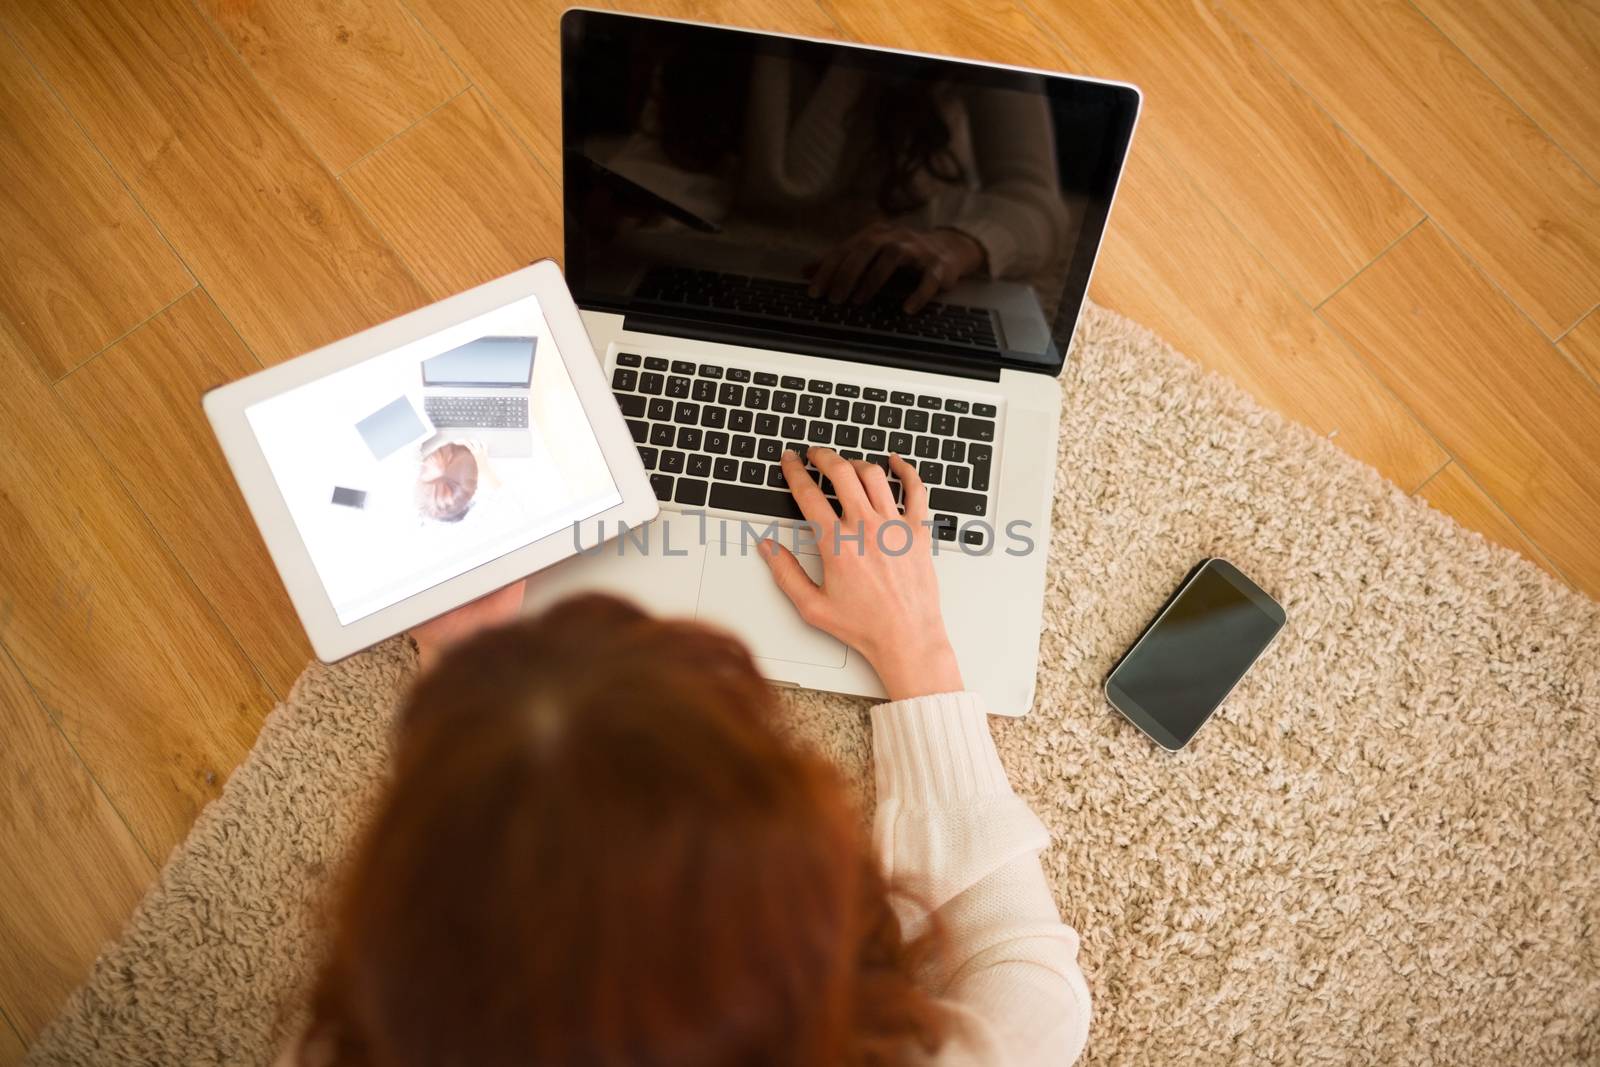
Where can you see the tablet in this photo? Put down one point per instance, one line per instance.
(400, 473)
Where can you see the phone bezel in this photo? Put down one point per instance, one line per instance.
(1134, 712)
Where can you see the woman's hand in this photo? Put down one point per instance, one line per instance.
(880, 600)
(436, 635)
(856, 268)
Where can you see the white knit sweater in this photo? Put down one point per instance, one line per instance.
(950, 830)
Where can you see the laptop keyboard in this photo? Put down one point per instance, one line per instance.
(479, 412)
(712, 435)
(952, 326)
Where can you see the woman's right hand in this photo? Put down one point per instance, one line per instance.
(880, 600)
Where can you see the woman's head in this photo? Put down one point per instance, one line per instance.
(598, 849)
(447, 483)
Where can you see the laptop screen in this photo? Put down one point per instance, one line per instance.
(832, 199)
(488, 362)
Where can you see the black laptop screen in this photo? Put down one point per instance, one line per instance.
(832, 199)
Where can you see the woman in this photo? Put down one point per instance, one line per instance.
(598, 848)
(452, 478)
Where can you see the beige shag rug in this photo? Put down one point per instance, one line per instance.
(1385, 849)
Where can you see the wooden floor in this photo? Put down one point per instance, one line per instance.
(1380, 217)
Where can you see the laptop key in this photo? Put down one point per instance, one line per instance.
(640, 431)
(662, 484)
(660, 409)
(956, 476)
(725, 469)
(987, 411)
(709, 371)
(977, 429)
(651, 383)
(704, 390)
(980, 457)
(810, 406)
(628, 359)
(927, 447)
(900, 443)
(713, 417)
(770, 449)
(632, 405)
(877, 395)
(739, 419)
(775, 477)
(756, 398)
(678, 386)
(819, 387)
(932, 403)
(849, 453)
(766, 378)
(917, 421)
(944, 527)
(845, 389)
(820, 433)
(738, 374)
(655, 363)
(647, 456)
(790, 381)
(624, 379)
(700, 467)
(717, 443)
(690, 491)
(953, 451)
(847, 436)
(944, 424)
(752, 473)
(783, 402)
(889, 417)
(958, 406)
(862, 412)
(682, 366)
(930, 472)
(689, 438)
(731, 394)
(904, 399)
(686, 414)
(958, 502)
(744, 446)
(661, 434)
(777, 503)
(793, 427)
(766, 424)
(873, 440)
(672, 461)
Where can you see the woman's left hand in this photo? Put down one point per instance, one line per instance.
(435, 636)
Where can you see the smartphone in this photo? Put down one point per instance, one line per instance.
(350, 498)
(1187, 661)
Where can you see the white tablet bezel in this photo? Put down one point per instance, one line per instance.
(331, 640)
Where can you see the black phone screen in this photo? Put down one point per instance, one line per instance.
(1194, 653)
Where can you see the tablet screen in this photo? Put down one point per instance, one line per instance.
(417, 465)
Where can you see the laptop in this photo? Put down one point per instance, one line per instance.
(712, 178)
(480, 389)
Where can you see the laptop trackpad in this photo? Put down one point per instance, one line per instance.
(738, 593)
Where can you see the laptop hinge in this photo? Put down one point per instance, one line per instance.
(882, 356)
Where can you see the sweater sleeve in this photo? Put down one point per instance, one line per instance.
(955, 837)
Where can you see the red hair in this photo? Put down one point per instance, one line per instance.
(597, 849)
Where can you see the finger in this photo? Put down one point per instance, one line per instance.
(876, 485)
(813, 505)
(932, 282)
(852, 266)
(822, 275)
(913, 493)
(890, 259)
(796, 584)
(846, 486)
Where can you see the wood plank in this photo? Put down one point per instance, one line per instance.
(1486, 174)
(1453, 492)
(1582, 345)
(1172, 263)
(511, 50)
(442, 192)
(11, 1046)
(995, 30)
(86, 266)
(1285, 176)
(1545, 54)
(1518, 416)
(83, 873)
(140, 403)
(349, 74)
(291, 262)
(125, 654)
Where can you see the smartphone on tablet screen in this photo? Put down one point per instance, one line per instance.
(1187, 661)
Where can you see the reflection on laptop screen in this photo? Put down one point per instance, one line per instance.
(495, 362)
(711, 175)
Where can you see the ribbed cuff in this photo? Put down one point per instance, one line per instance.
(936, 751)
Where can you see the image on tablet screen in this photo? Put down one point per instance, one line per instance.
(460, 447)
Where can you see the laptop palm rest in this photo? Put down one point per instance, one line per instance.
(738, 593)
